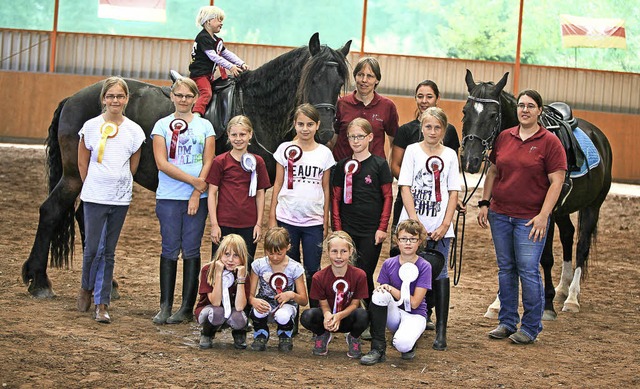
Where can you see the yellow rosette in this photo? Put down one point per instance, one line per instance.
(107, 130)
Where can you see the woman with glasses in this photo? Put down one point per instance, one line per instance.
(429, 182)
(108, 157)
(183, 148)
(528, 165)
(366, 103)
(362, 197)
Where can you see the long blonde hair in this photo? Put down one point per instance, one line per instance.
(230, 242)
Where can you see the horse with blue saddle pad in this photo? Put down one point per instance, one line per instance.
(590, 180)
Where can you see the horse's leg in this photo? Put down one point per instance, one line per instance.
(494, 309)
(52, 213)
(567, 231)
(588, 220)
(547, 265)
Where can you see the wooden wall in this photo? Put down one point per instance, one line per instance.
(29, 100)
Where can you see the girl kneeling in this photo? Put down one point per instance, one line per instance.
(222, 292)
(339, 289)
(406, 278)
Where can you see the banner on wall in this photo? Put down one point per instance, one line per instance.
(138, 10)
(579, 31)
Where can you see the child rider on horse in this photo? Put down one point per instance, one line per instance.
(209, 52)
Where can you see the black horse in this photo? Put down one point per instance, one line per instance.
(314, 74)
(490, 110)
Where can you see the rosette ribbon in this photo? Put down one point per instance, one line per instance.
(408, 273)
(107, 130)
(227, 281)
(434, 166)
(340, 287)
(351, 167)
(177, 127)
(249, 164)
(293, 153)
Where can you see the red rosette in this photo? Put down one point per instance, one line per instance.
(293, 153)
(435, 166)
(177, 127)
(341, 287)
(278, 281)
(351, 167)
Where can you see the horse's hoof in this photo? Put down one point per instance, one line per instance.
(42, 293)
(571, 307)
(491, 314)
(560, 297)
(549, 315)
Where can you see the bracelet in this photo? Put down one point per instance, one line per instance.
(240, 283)
(483, 203)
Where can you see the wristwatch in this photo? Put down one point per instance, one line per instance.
(483, 203)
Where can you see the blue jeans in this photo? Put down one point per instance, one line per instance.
(102, 226)
(179, 230)
(518, 257)
(311, 239)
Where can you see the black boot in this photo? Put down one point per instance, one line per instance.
(431, 302)
(377, 326)
(207, 333)
(168, 268)
(190, 274)
(442, 292)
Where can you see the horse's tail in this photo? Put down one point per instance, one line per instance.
(64, 235)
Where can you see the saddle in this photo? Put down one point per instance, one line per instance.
(558, 118)
(222, 106)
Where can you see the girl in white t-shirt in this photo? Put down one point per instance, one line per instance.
(108, 156)
(429, 181)
(300, 200)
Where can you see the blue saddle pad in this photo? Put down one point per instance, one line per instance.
(592, 157)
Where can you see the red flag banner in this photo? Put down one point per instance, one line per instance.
(139, 10)
(579, 31)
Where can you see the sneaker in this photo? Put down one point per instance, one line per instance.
(321, 343)
(430, 325)
(372, 357)
(409, 355)
(205, 342)
(521, 338)
(259, 344)
(285, 344)
(102, 314)
(239, 339)
(366, 334)
(355, 347)
(500, 332)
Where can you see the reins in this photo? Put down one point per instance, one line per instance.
(456, 255)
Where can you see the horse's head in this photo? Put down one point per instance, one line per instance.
(481, 121)
(323, 76)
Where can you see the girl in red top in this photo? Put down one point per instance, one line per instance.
(222, 292)
(339, 289)
(238, 180)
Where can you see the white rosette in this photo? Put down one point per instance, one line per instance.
(340, 287)
(227, 281)
(249, 164)
(408, 273)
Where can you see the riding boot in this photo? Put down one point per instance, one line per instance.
(168, 268)
(191, 271)
(377, 326)
(442, 293)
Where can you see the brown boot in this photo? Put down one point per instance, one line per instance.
(84, 299)
(102, 314)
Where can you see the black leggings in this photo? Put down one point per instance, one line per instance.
(312, 319)
(368, 255)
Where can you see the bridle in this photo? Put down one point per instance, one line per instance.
(455, 258)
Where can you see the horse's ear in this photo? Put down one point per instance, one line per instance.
(469, 80)
(503, 81)
(314, 44)
(345, 49)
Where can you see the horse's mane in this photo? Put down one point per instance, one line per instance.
(268, 90)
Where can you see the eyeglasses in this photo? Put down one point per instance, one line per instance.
(407, 240)
(113, 97)
(354, 137)
(180, 96)
(529, 107)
